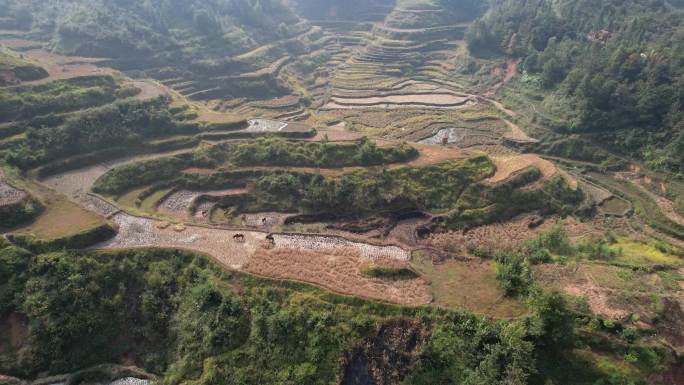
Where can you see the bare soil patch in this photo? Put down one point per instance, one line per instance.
(16, 326)
(338, 270)
(60, 67)
(431, 155)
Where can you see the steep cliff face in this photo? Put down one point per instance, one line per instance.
(386, 358)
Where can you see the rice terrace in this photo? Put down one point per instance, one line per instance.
(359, 192)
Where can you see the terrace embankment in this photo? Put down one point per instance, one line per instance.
(508, 166)
(237, 248)
(434, 100)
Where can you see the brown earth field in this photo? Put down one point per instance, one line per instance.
(509, 165)
(339, 270)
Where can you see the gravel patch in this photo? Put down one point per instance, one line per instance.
(323, 243)
(180, 201)
(265, 125)
(10, 195)
(130, 381)
(449, 133)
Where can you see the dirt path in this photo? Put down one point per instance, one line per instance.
(76, 184)
(139, 232)
(517, 134)
(666, 205)
(507, 72)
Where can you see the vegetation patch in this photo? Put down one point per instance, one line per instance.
(21, 103)
(270, 151)
(386, 271)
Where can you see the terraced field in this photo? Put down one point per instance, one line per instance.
(356, 154)
(386, 77)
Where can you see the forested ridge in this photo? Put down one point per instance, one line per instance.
(613, 70)
(186, 319)
(158, 27)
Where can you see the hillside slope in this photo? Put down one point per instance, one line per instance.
(164, 39)
(613, 71)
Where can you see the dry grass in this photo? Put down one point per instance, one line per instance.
(436, 99)
(642, 299)
(504, 236)
(469, 286)
(61, 217)
(666, 205)
(509, 165)
(610, 291)
(516, 133)
(615, 206)
(339, 270)
(129, 199)
(149, 89)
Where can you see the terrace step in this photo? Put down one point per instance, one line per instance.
(291, 115)
(202, 92)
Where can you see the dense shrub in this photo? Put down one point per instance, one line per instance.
(19, 213)
(56, 97)
(514, 274)
(118, 124)
(189, 322)
(556, 241)
(265, 151)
